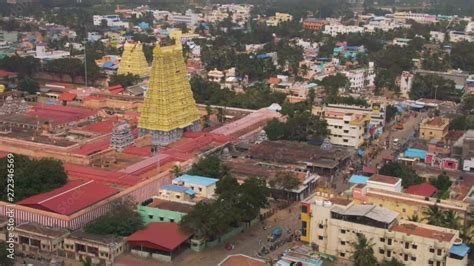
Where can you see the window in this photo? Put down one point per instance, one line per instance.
(178, 196)
(382, 239)
(320, 238)
(407, 245)
(303, 228)
(381, 251)
(405, 257)
(343, 231)
(432, 250)
(439, 252)
(414, 246)
(150, 216)
(389, 241)
(162, 219)
(345, 140)
(430, 262)
(200, 189)
(342, 254)
(172, 220)
(389, 253)
(438, 263)
(346, 131)
(304, 209)
(321, 226)
(404, 210)
(343, 243)
(413, 258)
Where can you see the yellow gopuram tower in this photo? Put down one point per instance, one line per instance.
(133, 60)
(169, 108)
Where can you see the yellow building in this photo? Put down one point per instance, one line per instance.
(133, 60)
(278, 18)
(332, 225)
(407, 205)
(169, 107)
(434, 128)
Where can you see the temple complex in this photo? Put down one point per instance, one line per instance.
(169, 108)
(133, 60)
(121, 136)
(13, 106)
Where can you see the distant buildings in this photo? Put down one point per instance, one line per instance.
(314, 24)
(42, 54)
(110, 21)
(406, 82)
(335, 29)
(402, 42)
(460, 36)
(347, 129)
(418, 17)
(274, 21)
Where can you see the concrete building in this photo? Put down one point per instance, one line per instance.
(437, 36)
(347, 129)
(434, 128)
(376, 112)
(402, 42)
(406, 204)
(32, 238)
(314, 24)
(406, 82)
(460, 36)
(203, 186)
(8, 36)
(418, 17)
(463, 150)
(336, 29)
(111, 21)
(388, 183)
(163, 210)
(274, 21)
(100, 249)
(361, 78)
(332, 224)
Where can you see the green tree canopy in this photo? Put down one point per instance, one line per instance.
(462, 56)
(300, 127)
(32, 176)
(333, 83)
(29, 85)
(122, 220)
(433, 87)
(125, 80)
(407, 174)
(210, 166)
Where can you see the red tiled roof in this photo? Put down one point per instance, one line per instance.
(116, 89)
(369, 170)
(161, 236)
(92, 147)
(413, 229)
(70, 198)
(104, 126)
(59, 114)
(274, 81)
(67, 96)
(384, 179)
(7, 73)
(424, 189)
(140, 151)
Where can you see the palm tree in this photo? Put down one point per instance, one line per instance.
(414, 218)
(177, 170)
(364, 253)
(434, 215)
(451, 220)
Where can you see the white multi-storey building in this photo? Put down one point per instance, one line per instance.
(335, 29)
(112, 21)
(346, 129)
(361, 78)
(460, 36)
(418, 17)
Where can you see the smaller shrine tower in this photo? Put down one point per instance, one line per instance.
(121, 136)
(133, 60)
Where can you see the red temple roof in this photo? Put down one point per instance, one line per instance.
(161, 236)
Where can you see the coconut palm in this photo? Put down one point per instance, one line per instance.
(434, 215)
(414, 218)
(177, 170)
(451, 220)
(364, 253)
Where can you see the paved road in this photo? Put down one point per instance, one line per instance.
(410, 125)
